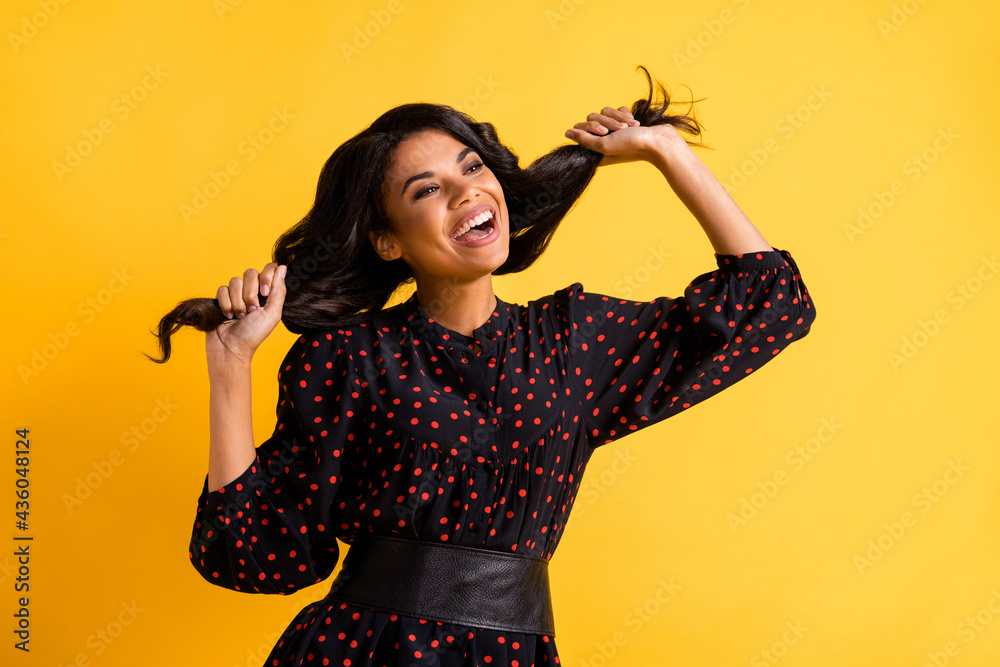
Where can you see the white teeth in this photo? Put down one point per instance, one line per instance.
(478, 220)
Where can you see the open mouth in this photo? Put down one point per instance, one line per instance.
(476, 229)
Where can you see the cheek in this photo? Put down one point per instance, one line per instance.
(423, 231)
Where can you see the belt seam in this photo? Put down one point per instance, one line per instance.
(485, 552)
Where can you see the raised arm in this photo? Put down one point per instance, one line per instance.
(727, 226)
(229, 351)
(272, 527)
(637, 363)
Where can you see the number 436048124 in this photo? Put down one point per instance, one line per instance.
(21, 461)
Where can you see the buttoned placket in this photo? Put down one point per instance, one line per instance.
(485, 431)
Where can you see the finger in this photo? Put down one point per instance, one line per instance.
(236, 297)
(267, 277)
(605, 121)
(276, 297)
(585, 139)
(593, 126)
(628, 114)
(618, 119)
(222, 296)
(578, 132)
(251, 286)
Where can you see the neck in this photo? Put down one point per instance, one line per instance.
(461, 307)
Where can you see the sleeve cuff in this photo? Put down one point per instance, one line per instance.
(752, 261)
(238, 488)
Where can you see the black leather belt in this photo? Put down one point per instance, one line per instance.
(477, 588)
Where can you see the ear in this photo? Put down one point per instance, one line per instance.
(384, 246)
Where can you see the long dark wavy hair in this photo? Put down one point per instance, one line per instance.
(335, 277)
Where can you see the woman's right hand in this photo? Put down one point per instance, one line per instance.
(250, 323)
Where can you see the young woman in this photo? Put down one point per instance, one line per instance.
(445, 438)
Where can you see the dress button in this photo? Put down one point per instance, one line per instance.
(475, 526)
(488, 466)
(483, 406)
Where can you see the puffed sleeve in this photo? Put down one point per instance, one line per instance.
(637, 363)
(271, 530)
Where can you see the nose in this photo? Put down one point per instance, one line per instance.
(464, 192)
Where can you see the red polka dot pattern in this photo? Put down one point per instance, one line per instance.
(399, 426)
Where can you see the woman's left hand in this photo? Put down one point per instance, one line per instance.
(616, 134)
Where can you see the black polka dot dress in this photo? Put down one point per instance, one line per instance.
(401, 427)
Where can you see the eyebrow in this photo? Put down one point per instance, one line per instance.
(428, 174)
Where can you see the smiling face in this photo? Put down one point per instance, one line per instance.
(434, 184)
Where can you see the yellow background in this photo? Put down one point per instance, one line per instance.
(822, 111)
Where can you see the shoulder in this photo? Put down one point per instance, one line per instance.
(318, 348)
(557, 312)
(359, 342)
(323, 338)
(556, 301)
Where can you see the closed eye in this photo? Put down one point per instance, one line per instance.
(477, 166)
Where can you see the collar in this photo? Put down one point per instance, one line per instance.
(426, 328)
